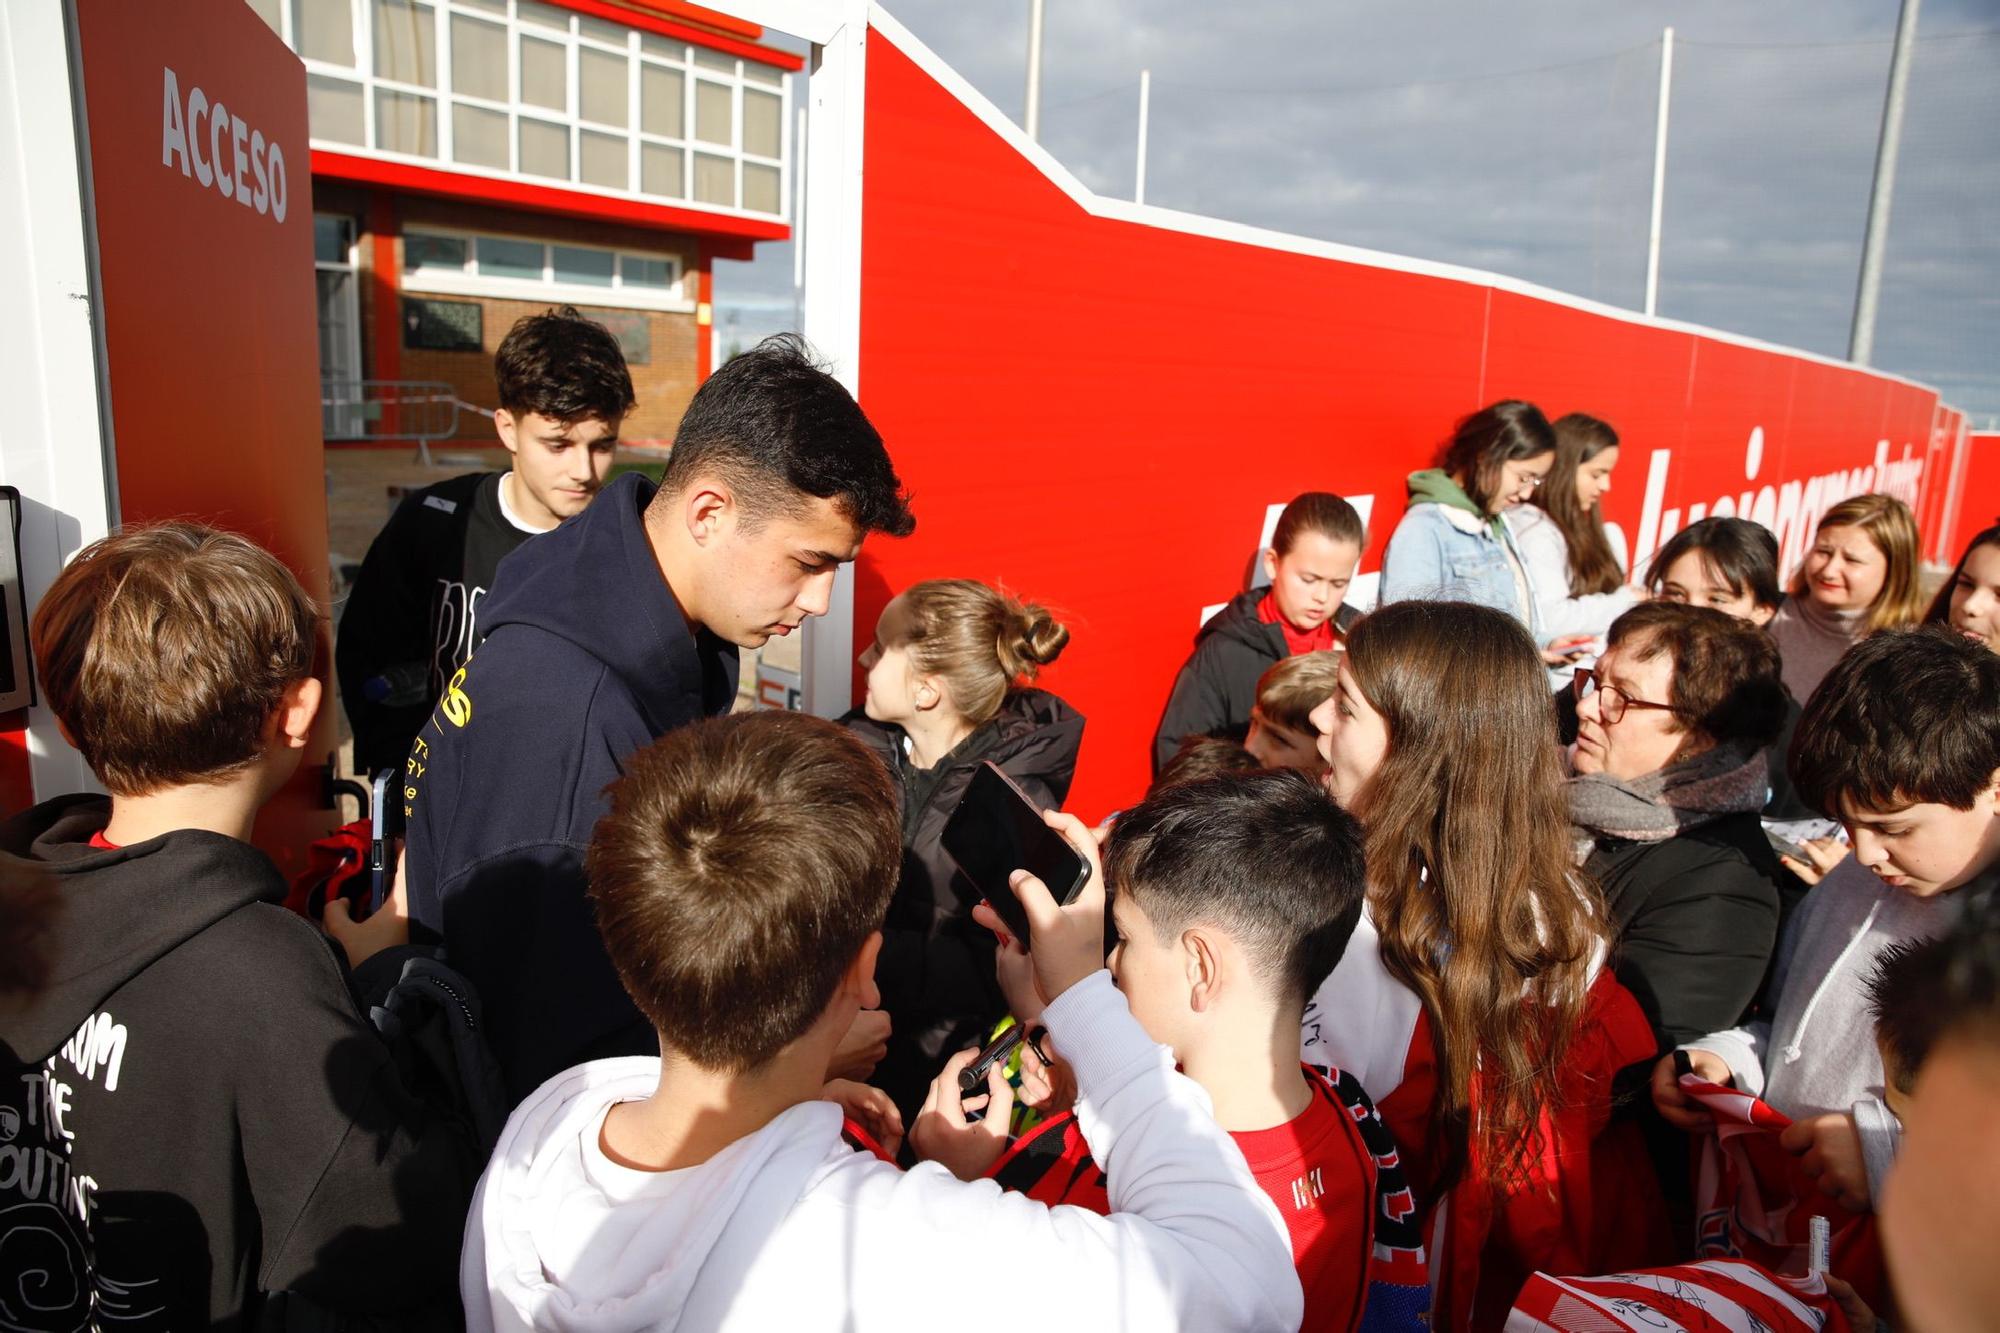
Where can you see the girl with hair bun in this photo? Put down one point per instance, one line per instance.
(948, 675)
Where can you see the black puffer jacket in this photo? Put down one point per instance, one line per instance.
(1213, 694)
(1696, 920)
(936, 971)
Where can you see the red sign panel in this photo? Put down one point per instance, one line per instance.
(200, 183)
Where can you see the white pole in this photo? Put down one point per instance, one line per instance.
(1034, 116)
(1861, 345)
(1659, 172)
(1145, 99)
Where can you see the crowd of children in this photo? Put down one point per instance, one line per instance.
(1411, 994)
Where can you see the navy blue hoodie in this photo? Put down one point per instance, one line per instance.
(586, 659)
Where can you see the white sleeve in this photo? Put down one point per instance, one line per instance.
(1545, 553)
(1742, 1049)
(1191, 1243)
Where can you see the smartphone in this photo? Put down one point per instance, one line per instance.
(997, 830)
(1786, 847)
(385, 824)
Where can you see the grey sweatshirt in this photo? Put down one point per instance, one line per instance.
(1818, 1054)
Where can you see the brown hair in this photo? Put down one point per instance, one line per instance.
(1202, 757)
(1479, 910)
(1940, 612)
(1290, 690)
(1593, 565)
(1727, 684)
(744, 863)
(982, 641)
(164, 650)
(1318, 511)
(1509, 431)
(1890, 525)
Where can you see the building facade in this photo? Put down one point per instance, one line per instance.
(474, 161)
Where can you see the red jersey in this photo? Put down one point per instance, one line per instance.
(1333, 1174)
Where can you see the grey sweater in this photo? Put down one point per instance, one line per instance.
(1810, 641)
(1818, 1054)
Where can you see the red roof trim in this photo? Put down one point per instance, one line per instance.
(540, 198)
(664, 27)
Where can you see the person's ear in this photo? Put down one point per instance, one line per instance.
(926, 692)
(292, 721)
(859, 979)
(1761, 614)
(709, 506)
(1203, 965)
(1270, 563)
(505, 425)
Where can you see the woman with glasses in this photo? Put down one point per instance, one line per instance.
(1670, 778)
(1452, 543)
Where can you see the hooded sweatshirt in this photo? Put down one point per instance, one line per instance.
(790, 1228)
(193, 1112)
(1816, 1053)
(1447, 547)
(586, 659)
(936, 968)
(1217, 686)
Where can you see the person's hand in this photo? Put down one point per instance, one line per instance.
(1860, 1318)
(1829, 1151)
(1015, 972)
(1047, 1086)
(1675, 1106)
(1567, 648)
(871, 1108)
(1825, 854)
(1066, 943)
(942, 1134)
(866, 1042)
(385, 928)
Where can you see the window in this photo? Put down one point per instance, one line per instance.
(454, 263)
(339, 327)
(537, 89)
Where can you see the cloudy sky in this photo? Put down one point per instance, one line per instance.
(1519, 138)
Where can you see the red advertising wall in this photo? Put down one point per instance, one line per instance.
(1979, 490)
(202, 207)
(1097, 411)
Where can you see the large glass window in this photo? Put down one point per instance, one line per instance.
(529, 87)
(460, 263)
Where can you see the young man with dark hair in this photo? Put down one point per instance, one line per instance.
(1941, 1209)
(1233, 897)
(198, 1127)
(408, 626)
(609, 632)
(740, 881)
(1901, 744)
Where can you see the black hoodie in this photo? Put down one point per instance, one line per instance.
(586, 659)
(195, 1113)
(1217, 686)
(936, 969)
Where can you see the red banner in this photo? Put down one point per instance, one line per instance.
(1097, 404)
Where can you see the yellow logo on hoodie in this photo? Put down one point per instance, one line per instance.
(456, 704)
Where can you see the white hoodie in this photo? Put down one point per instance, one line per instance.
(791, 1229)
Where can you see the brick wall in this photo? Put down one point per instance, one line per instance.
(663, 385)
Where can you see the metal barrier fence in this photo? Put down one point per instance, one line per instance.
(419, 411)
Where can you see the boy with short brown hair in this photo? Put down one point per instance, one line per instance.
(210, 1120)
(1281, 730)
(740, 881)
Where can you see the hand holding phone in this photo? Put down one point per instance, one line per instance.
(995, 830)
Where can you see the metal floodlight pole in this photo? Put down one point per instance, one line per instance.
(1033, 120)
(1659, 172)
(1145, 102)
(1861, 344)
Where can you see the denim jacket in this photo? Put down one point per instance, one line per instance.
(1446, 554)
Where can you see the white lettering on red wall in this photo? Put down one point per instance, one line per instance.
(221, 150)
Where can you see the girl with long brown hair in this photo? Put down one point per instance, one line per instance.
(1577, 575)
(1472, 1003)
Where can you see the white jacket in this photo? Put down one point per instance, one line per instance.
(790, 1229)
(1545, 552)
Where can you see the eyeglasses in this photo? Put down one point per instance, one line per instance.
(1613, 702)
